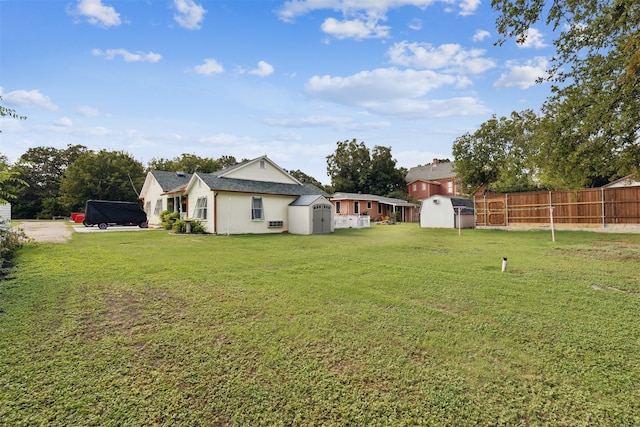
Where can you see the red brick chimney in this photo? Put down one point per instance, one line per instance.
(435, 162)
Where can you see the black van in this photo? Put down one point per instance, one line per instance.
(105, 212)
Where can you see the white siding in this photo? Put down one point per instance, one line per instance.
(234, 213)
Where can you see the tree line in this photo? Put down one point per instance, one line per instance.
(46, 182)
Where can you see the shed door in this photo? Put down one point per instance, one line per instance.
(321, 219)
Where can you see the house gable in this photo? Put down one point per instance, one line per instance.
(259, 169)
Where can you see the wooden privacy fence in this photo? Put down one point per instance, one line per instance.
(586, 208)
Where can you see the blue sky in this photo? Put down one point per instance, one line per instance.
(288, 79)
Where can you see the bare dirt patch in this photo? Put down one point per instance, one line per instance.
(46, 231)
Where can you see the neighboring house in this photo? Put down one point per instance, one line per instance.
(252, 197)
(163, 191)
(447, 212)
(5, 216)
(434, 178)
(627, 181)
(376, 207)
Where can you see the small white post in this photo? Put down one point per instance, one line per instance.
(553, 231)
(459, 209)
(504, 264)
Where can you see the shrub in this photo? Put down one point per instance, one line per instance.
(168, 219)
(10, 241)
(180, 226)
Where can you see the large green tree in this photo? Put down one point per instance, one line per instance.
(500, 155)
(590, 123)
(191, 163)
(355, 169)
(349, 167)
(42, 169)
(385, 177)
(105, 175)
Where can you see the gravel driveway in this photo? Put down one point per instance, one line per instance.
(47, 231)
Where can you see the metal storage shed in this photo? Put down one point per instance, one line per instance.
(311, 214)
(442, 212)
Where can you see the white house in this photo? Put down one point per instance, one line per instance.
(444, 212)
(251, 197)
(162, 191)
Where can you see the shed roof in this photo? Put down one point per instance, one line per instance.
(308, 200)
(467, 205)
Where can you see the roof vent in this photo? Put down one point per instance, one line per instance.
(180, 173)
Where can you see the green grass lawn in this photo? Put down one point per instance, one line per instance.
(392, 325)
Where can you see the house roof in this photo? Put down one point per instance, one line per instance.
(371, 197)
(431, 172)
(171, 180)
(216, 182)
(230, 169)
(627, 181)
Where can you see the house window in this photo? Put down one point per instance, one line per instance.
(200, 211)
(158, 208)
(257, 213)
(337, 207)
(424, 186)
(261, 164)
(379, 208)
(414, 187)
(368, 205)
(356, 207)
(147, 208)
(450, 187)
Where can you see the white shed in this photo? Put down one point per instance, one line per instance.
(442, 212)
(312, 214)
(5, 216)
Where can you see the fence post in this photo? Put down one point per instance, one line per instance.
(506, 209)
(602, 200)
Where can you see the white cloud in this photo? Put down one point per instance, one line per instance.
(533, 39)
(190, 14)
(415, 24)
(29, 99)
(209, 67)
(452, 57)
(377, 85)
(64, 122)
(481, 35)
(97, 13)
(430, 108)
(87, 111)
(334, 122)
(523, 76)
(361, 18)
(127, 56)
(469, 7)
(354, 29)
(264, 69)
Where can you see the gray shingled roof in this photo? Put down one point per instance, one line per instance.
(430, 172)
(248, 186)
(171, 180)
